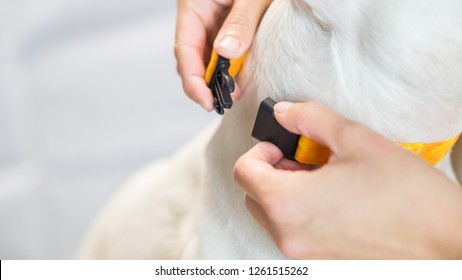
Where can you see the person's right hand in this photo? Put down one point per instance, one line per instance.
(230, 24)
(372, 199)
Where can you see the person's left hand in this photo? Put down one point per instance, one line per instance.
(229, 24)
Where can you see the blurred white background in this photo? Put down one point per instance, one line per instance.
(88, 94)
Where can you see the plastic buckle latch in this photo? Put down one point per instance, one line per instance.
(267, 128)
(222, 85)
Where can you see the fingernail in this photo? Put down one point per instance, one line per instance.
(282, 107)
(229, 43)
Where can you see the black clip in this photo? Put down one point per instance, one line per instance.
(267, 128)
(222, 85)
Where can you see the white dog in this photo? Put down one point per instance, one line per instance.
(394, 65)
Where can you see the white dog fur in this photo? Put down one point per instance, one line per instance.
(394, 65)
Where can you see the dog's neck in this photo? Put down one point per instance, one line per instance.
(387, 64)
(228, 231)
(369, 60)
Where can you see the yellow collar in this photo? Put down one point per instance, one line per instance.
(310, 152)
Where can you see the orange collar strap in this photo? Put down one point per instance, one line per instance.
(432, 153)
(310, 152)
(234, 68)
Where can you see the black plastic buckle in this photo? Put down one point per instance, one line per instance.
(222, 85)
(267, 128)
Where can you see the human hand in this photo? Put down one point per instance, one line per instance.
(197, 26)
(371, 200)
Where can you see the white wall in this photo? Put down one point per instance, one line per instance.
(88, 94)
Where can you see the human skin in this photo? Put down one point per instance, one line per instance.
(371, 200)
(226, 25)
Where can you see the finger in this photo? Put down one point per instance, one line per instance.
(236, 94)
(189, 52)
(316, 121)
(238, 30)
(193, 82)
(286, 164)
(255, 173)
(257, 212)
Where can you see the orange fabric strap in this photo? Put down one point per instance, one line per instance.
(310, 152)
(234, 67)
(432, 153)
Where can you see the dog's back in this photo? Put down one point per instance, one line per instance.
(392, 65)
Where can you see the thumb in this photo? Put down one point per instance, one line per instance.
(343, 137)
(238, 30)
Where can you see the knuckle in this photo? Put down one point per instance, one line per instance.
(345, 128)
(287, 246)
(239, 20)
(177, 53)
(268, 199)
(240, 166)
(311, 106)
(347, 133)
(176, 50)
(276, 207)
(237, 170)
(178, 70)
(295, 247)
(187, 88)
(305, 111)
